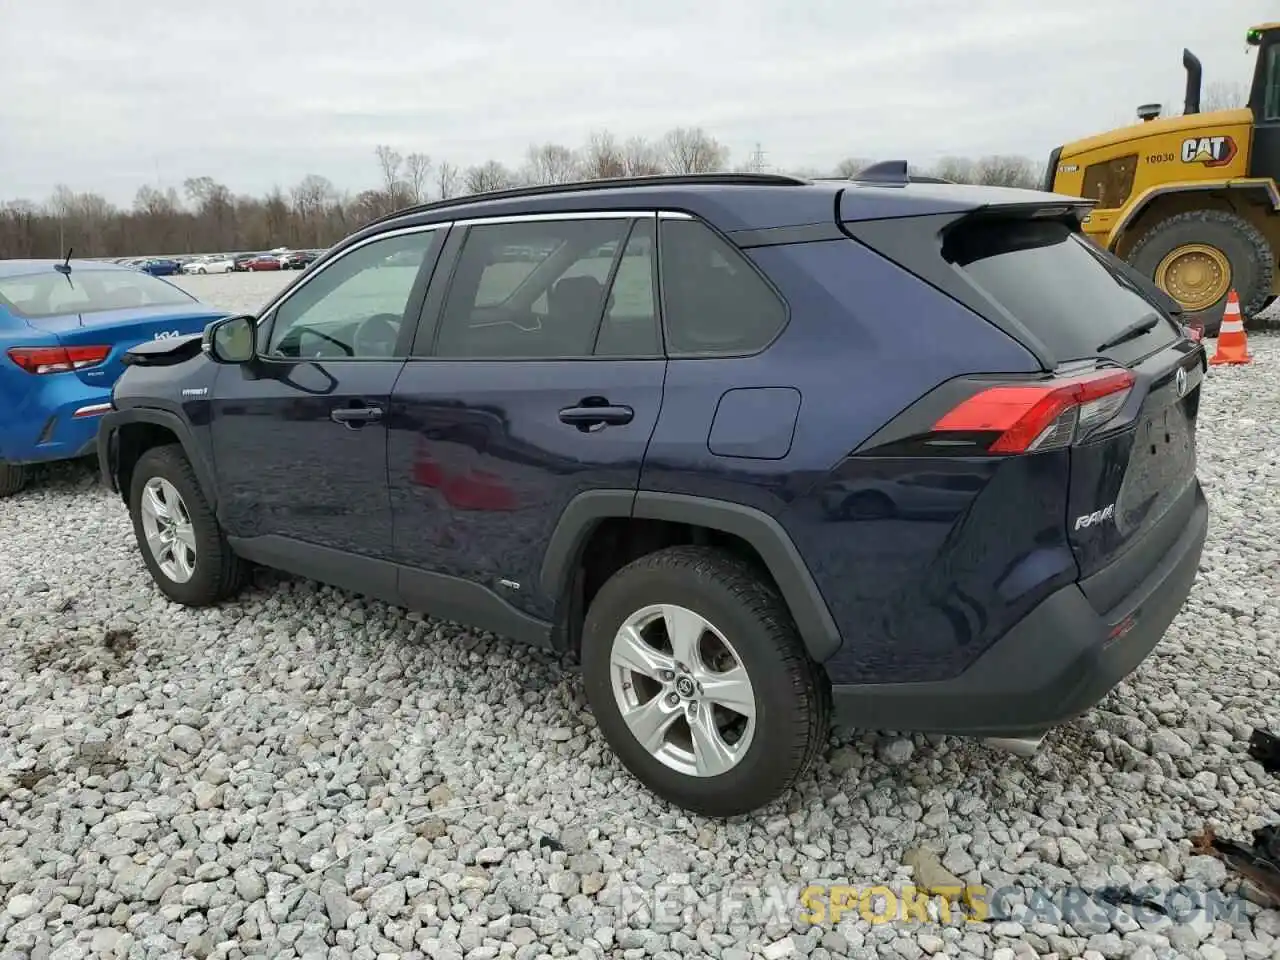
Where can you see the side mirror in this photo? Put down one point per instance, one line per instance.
(231, 339)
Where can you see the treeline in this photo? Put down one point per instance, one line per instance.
(206, 216)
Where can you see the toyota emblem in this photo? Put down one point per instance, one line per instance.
(1181, 381)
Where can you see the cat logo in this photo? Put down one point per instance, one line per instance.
(1211, 151)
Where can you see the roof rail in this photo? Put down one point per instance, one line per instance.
(611, 183)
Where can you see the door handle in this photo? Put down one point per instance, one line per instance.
(355, 417)
(594, 417)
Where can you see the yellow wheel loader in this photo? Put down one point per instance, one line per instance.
(1191, 201)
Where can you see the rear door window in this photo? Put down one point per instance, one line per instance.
(1056, 285)
(530, 290)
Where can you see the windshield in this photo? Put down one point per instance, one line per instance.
(87, 291)
(1052, 282)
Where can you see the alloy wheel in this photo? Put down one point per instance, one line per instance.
(682, 690)
(167, 526)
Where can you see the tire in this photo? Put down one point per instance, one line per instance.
(1240, 242)
(217, 572)
(789, 693)
(13, 477)
(201, 270)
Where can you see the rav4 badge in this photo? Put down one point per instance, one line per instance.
(1089, 519)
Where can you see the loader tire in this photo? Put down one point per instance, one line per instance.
(1208, 238)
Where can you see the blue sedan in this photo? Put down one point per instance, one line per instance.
(160, 267)
(64, 328)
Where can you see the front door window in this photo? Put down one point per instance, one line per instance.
(355, 308)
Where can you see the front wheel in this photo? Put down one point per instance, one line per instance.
(13, 477)
(177, 532)
(700, 682)
(1199, 256)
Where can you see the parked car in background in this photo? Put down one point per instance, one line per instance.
(242, 259)
(210, 264)
(160, 267)
(643, 440)
(64, 329)
(297, 259)
(263, 261)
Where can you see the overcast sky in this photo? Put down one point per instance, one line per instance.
(112, 94)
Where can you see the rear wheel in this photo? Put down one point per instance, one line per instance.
(181, 542)
(13, 477)
(700, 683)
(1197, 257)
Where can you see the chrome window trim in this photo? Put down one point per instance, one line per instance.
(554, 216)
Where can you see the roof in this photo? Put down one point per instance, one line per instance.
(735, 203)
(732, 201)
(23, 268)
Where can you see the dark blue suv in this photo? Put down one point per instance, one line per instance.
(761, 451)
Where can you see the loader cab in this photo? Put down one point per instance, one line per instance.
(1264, 101)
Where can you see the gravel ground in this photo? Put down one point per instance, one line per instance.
(303, 773)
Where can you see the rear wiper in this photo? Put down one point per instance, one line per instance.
(1131, 332)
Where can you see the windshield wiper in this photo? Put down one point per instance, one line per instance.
(1131, 332)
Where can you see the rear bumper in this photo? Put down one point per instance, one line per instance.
(59, 423)
(1055, 664)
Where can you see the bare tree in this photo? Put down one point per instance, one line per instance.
(693, 150)
(417, 170)
(448, 180)
(311, 198)
(1224, 95)
(370, 205)
(1006, 171)
(389, 162)
(551, 163)
(640, 158)
(603, 159)
(151, 202)
(851, 167)
(488, 176)
(956, 169)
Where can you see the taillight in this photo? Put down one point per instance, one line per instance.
(1040, 416)
(41, 360)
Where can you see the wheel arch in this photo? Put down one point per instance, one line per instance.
(1256, 200)
(125, 435)
(585, 514)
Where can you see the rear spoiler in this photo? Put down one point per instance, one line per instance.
(882, 199)
(163, 353)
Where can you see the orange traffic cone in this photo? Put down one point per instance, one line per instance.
(1233, 345)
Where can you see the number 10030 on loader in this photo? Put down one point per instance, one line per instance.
(1191, 201)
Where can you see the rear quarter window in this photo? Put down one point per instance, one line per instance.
(1050, 279)
(714, 301)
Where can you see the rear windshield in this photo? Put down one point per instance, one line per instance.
(87, 291)
(1053, 282)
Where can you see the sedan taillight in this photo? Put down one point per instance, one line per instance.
(42, 360)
